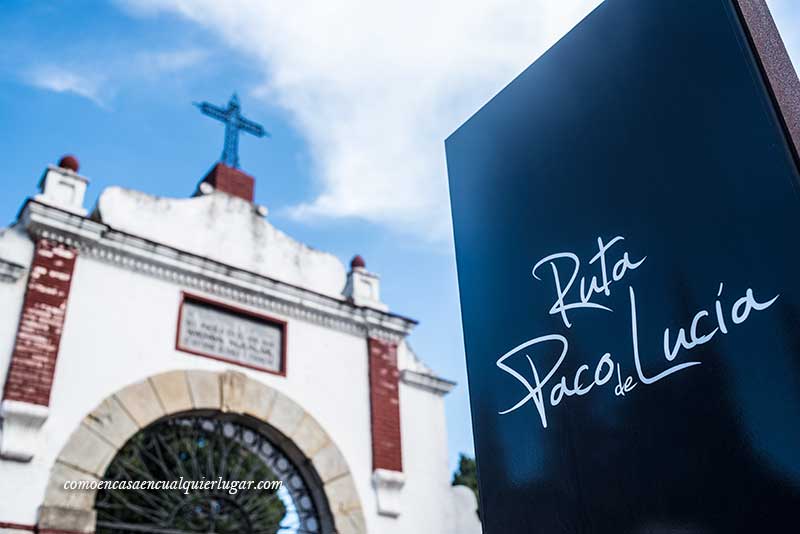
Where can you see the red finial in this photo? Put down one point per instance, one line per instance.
(69, 162)
(357, 261)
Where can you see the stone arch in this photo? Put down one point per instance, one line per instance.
(102, 433)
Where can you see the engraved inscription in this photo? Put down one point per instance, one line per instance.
(221, 333)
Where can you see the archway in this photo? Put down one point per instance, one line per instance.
(203, 472)
(192, 410)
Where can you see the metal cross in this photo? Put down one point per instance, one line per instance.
(234, 122)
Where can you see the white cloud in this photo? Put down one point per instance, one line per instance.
(155, 64)
(62, 80)
(100, 82)
(376, 87)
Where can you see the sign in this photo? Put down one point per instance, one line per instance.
(237, 336)
(625, 217)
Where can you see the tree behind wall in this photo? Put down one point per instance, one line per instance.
(467, 475)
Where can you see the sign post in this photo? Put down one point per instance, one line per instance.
(625, 217)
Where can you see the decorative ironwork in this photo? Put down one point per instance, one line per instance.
(197, 448)
(234, 123)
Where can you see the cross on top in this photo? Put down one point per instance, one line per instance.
(234, 122)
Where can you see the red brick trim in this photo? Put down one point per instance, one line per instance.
(17, 526)
(231, 181)
(33, 363)
(384, 380)
(35, 529)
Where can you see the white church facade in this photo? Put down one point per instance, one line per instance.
(153, 338)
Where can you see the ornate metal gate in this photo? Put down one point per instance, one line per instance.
(188, 450)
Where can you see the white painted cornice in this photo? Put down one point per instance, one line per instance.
(104, 243)
(10, 271)
(428, 382)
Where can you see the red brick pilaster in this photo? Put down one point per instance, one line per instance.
(385, 405)
(33, 363)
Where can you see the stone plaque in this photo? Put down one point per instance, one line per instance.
(231, 335)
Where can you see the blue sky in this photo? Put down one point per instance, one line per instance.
(358, 100)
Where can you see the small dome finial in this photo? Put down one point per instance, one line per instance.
(357, 262)
(69, 162)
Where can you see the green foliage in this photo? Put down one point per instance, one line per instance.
(467, 474)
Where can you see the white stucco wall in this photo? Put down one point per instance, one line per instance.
(120, 328)
(15, 247)
(226, 229)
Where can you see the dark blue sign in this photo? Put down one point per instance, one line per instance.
(626, 216)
